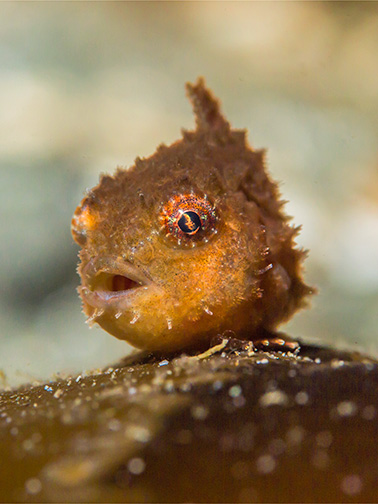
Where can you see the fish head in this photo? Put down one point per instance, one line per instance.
(178, 248)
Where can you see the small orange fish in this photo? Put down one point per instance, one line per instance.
(189, 242)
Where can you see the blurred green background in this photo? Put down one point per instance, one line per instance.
(85, 87)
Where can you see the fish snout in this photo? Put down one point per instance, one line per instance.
(111, 282)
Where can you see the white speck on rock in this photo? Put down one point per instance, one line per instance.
(139, 433)
(346, 408)
(114, 425)
(58, 392)
(169, 386)
(185, 387)
(33, 486)
(262, 361)
(28, 444)
(199, 412)
(337, 363)
(136, 465)
(274, 397)
(265, 464)
(295, 435)
(301, 398)
(217, 385)
(235, 391)
(351, 484)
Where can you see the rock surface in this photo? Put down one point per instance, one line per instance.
(237, 425)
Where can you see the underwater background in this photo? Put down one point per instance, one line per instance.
(87, 87)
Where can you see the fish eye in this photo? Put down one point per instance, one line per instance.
(189, 222)
(188, 219)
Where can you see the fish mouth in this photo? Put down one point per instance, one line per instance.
(110, 282)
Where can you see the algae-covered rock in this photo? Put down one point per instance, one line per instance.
(234, 425)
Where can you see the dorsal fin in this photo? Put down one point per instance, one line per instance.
(206, 108)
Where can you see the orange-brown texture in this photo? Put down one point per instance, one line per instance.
(189, 242)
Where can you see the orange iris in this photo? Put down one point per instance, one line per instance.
(188, 219)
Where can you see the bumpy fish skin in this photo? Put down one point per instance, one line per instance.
(230, 263)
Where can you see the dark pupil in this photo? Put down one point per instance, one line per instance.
(189, 222)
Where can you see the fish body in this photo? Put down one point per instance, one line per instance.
(189, 242)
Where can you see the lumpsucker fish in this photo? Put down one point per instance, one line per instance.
(190, 242)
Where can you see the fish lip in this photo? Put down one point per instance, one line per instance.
(100, 298)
